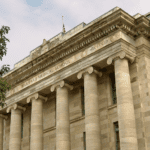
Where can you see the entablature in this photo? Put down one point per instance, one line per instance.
(60, 50)
(97, 53)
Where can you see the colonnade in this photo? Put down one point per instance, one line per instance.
(126, 117)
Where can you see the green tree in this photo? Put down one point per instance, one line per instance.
(4, 86)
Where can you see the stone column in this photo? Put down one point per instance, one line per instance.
(36, 121)
(15, 126)
(2, 117)
(62, 116)
(92, 119)
(126, 116)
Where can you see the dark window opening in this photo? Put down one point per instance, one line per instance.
(113, 87)
(82, 100)
(117, 136)
(22, 126)
(84, 140)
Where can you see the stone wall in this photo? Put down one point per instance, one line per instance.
(135, 71)
(144, 76)
(139, 73)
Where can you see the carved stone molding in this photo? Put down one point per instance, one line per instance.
(15, 106)
(120, 55)
(63, 53)
(102, 27)
(3, 116)
(61, 84)
(90, 70)
(143, 31)
(36, 96)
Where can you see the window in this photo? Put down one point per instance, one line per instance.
(117, 136)
(22, 126)
(55, 111)
(82, 100)
(84, 140)
(113, 87)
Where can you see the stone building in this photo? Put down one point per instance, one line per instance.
(85, 89)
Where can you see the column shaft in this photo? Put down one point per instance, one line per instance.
(1, 133)
(126, 116)
(62, 118)
(37, 125)
(92, 120)
(15, 130)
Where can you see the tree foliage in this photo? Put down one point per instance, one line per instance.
(4, 86)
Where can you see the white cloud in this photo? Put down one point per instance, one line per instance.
(28, 28)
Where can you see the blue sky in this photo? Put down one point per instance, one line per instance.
(31, 21)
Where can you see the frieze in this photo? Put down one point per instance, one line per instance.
(75, 48)
(57, 46)
(79, 46)
(65, 63)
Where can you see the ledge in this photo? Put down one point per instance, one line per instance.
(71, 121)
(112, 106)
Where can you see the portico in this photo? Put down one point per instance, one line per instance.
(49, 82)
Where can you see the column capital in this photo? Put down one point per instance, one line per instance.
(36, 96)
(90, 70)
(61, 84)
(15, 106)
(120, 55)
(3, 116)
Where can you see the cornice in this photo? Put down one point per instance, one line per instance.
(57, 51)
(143, 50)
(142, 20)
(100, 53)
(63, 54)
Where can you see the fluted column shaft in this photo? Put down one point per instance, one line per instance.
(62, 119)
(92, 120)
(2, 117)
(37, 125)
(36, 121)
(62, 115)
(15, 130)
(15, 126)
(126, 116)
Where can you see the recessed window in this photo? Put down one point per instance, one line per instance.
(84, 140)
(117, 139)
(113, 87)
(22, 126)
(82, 100)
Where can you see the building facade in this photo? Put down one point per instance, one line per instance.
(86, 89)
